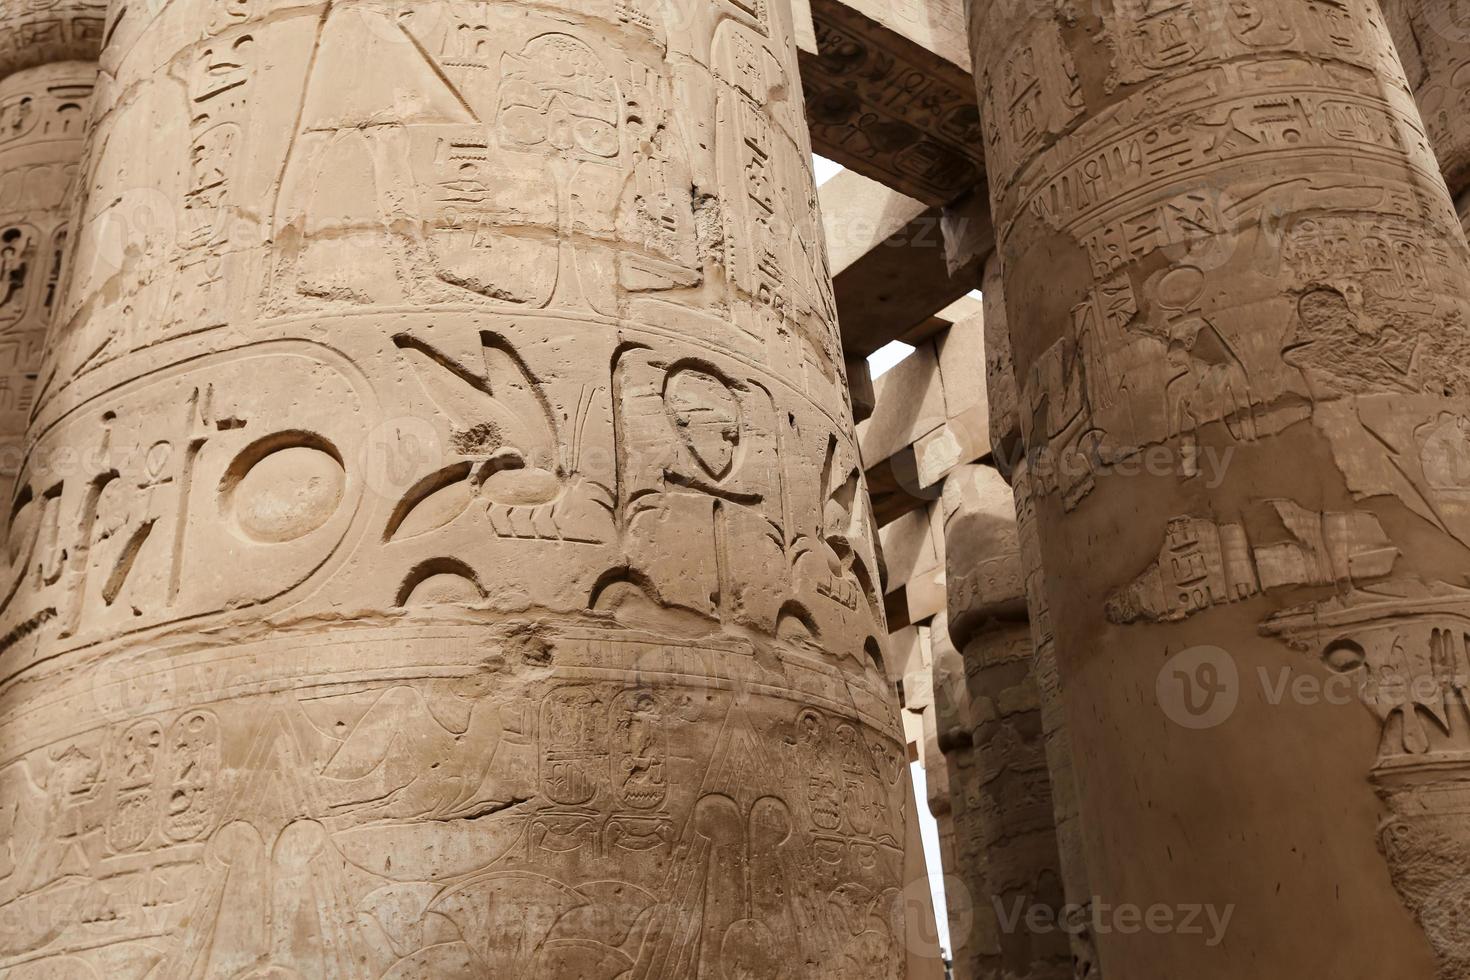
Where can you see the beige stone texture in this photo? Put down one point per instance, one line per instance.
(1001, 763)
(909, 404)
(961, 352)
(1000, 371)
(1433, 39)
(1239, 307)
(1057, 736)
(905, 653)
(892, 276)
(909, 548)
(982, 555)
(43, 32)
(444, 551)
(43, 119)
(1013, 800)
(925, 595)
(965, 435)
(889, 93)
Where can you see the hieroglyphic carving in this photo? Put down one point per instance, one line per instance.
(1404, 649)
(43, 113)
(445, 551)
(889, 108)
(43, 32)
(1433, 37)
(1204, 563)
(1003, 799)
(1237, 291)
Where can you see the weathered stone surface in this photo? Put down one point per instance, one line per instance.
(43, 118)
(461, 566)
(889, 94)
(965, 435)
(890, 271)
(1000, 765)
(42, 32)
(1057, 736)
(1238, 301)
(1010, 460)
(1433, 38)
(1000, 371)
(982, 554)
(909, 404)
(1011, 801)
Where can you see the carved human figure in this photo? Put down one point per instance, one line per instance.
(444, 551)
(1252, 450)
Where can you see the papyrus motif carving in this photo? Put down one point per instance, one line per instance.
(444, 551)
(1238, 310)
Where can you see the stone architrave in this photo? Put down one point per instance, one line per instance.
(1433, 38)
(1005, 826)
(1237, 296)
(43, 119)
(462, 567)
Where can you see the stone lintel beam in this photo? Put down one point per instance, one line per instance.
(891, 270)
(889, 93)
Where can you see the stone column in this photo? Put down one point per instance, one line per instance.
(1237, 299)
(48, 70)
(1010, 457)
(446, 553)
(1013, 869)
(1433, 38)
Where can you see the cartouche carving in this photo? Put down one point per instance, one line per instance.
(1236, 291)
(444, 549)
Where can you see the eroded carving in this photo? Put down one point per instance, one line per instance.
(461, 530)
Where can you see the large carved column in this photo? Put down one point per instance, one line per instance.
(1013, 867)
(1433, 38)
(47, 73)
(1011, 457)
(1237, 300)
(445, 551)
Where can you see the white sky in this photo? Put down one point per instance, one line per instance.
(825, 169)
(930, 831)
(882, 360)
